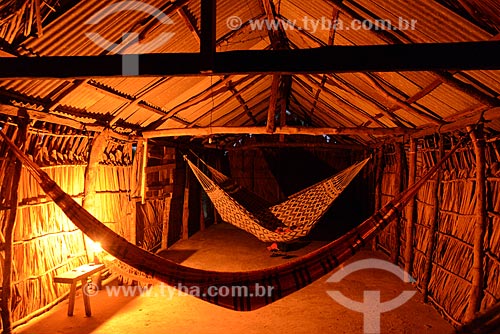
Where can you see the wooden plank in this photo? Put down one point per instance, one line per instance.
(285, 130)
(383, 58)
(78, 273)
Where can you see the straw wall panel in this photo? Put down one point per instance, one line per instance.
(46, 242)
(452, 255)
(386, 239)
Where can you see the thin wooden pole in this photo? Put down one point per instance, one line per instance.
(412, 207)
(378, 186)
(166, 220)
(476, 293)
(202, 213)
(431, 240)
(143, 171)
(398, 185)
(185, 211)
(15, 168)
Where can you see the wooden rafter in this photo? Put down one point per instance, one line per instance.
(56, 119)
(242, 102)
(397, 101)
(186, 18)
(341, 103)
(351, 89)
(322, 116)
(398, 36)
(331, 40)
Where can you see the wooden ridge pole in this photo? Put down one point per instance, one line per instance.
(12, 181)
(433, 228)
(476, 293)
(412, 208)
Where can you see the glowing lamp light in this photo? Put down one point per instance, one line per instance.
(96, 247)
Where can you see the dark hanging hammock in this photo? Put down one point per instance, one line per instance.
(286, 221)
(280, 281)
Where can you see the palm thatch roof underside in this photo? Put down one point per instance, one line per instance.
(353, 107)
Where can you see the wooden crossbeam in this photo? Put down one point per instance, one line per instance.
(378, 58)
(207, 131)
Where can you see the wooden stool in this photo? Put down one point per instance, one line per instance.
(72, 277)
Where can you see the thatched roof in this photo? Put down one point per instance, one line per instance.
(380, 104)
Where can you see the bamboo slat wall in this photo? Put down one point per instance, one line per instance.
(451, 259)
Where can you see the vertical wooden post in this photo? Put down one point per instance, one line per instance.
(476, 293)
(143, 171)
(166, 220)
(431, 241)
(97, 148)
(273, 99)
(208, 34)
(378, 186)
(89, 189)
(185, 211)
(398, 185)
(202, 212)
(412, 208)
(12, 181)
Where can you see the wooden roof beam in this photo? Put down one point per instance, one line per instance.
(207, 131)
(56, 119)
(488, 115)
(383, 58)
(397, 101)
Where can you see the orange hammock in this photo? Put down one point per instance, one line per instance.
(280, 281)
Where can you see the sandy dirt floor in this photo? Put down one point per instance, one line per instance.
(223, 247)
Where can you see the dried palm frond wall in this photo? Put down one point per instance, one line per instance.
(45, 242)
(443, 243)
